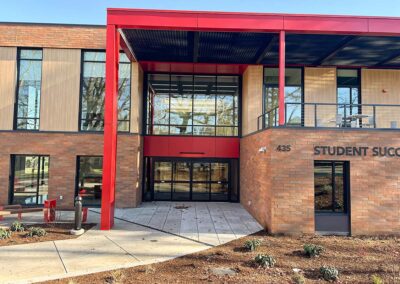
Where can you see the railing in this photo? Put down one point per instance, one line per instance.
(268, 119)
(329, 115)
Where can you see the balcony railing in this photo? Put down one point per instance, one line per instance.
(329, 115)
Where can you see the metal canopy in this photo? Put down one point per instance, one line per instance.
(262, 48)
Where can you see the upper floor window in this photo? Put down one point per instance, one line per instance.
(202, 105)
(293, 93)
(348, 91)
(93, 91)
(27, 113)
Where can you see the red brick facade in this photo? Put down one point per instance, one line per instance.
(53, 36)
(278, 187)
(63, 148)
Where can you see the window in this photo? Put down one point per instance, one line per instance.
(200, 105)
(293, 94)
(27, 111)
(29, 180)
(348, 94)
(331, 186)
(93, 92)
(89, 179)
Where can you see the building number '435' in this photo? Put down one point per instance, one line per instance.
(283, 148)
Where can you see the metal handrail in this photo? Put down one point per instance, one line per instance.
(263, 123)
(350, 113)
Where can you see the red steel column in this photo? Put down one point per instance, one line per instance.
(281, 91)
(110, 128)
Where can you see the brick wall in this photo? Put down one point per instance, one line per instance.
(63, 149)
(280, 185)
(53, 36)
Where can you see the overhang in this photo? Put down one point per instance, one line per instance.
(220, 38)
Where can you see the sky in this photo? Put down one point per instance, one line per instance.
(94, 11)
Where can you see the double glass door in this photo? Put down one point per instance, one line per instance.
(183, 180)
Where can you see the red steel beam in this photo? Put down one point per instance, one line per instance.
(281, 90)
(256, 22)
(110, 128)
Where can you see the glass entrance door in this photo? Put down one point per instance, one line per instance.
(184, 180)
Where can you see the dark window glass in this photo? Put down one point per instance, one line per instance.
(192, 105)
(348, 94)
(30, 179)
(90, 170)
(28, 90)
(293, 94)
(330, 186)
(93, 92)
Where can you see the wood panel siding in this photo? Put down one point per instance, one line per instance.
(381, 87)
(320, 87)
(59, 109)
(252, 98)
(136, 98)
(8, 74)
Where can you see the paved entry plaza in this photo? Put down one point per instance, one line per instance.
(153, 232)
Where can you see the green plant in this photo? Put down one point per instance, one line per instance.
(265, 260)
(252, 245)
(377, 280)
(115, 277)
(36, 231)
(17, 227)
(298, 278)
(312, 250)
(4, 234)
(329, 273)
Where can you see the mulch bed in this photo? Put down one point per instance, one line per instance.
(357, 259)
(55, 231)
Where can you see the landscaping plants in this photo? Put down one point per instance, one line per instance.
(17, 227)
(36, 231)
(252, 245)
(298, 278)
(265, 260)
(329, 273)
(4, 234)
(377, 280)
(312, 250)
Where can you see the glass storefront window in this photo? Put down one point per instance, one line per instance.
(93, 92)
(202, 105)
(89, 187)
(29, 89)
(293, 94)
(30, 179)
(348, 95)
(330, 186)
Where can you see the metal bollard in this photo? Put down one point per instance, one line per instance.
(78, 213)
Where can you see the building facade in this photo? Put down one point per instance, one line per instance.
(295, 117)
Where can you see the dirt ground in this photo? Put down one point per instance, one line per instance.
(55, 231)
(357, 259)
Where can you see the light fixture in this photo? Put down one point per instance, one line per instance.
(262, 150)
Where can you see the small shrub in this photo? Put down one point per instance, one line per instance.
(115, 277)
(312, 250)
(265, 260)
(329, 273)
(377, 280)
(36, 231)
(4, 234)
(298, 278)
(17, 227)
(252, 245)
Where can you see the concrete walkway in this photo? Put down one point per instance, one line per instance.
(213, 223)
(127, 245)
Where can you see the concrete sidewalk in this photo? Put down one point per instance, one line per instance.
(166, 233)
(125, 246)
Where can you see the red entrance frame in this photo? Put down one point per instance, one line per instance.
(210, 21)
